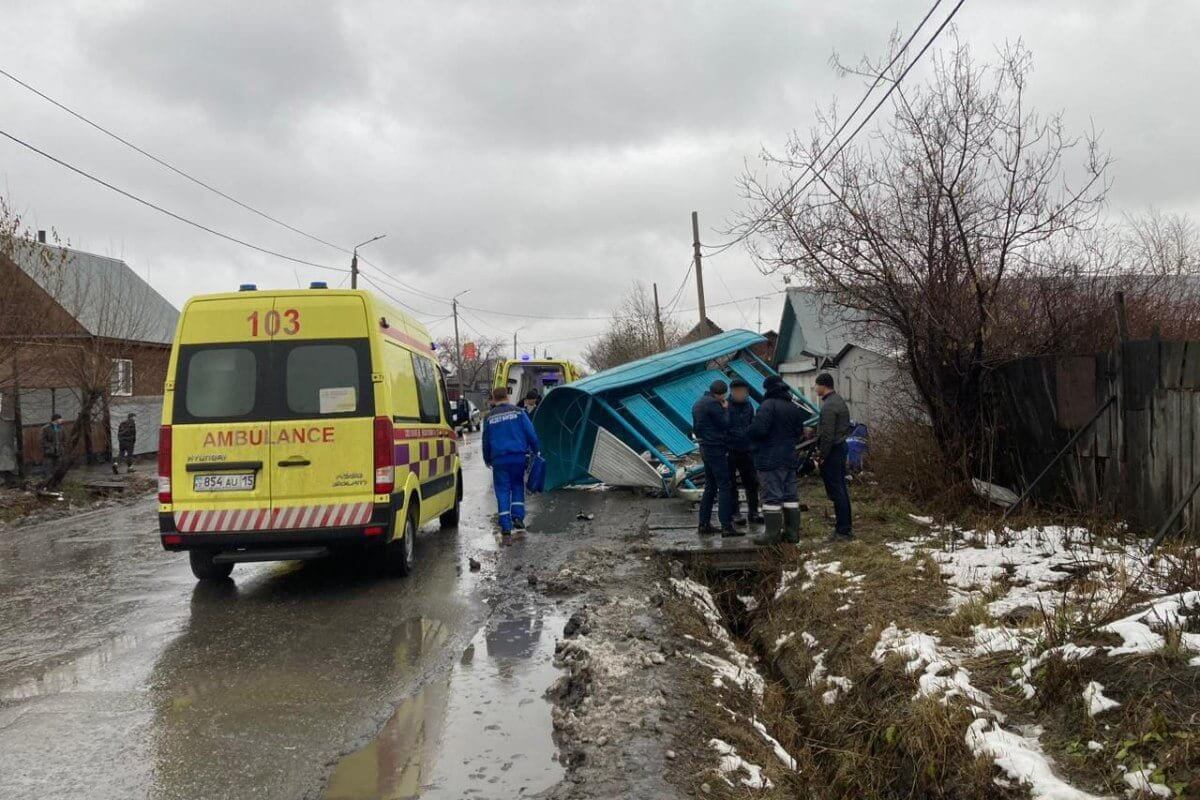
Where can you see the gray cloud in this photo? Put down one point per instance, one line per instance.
(545, 154)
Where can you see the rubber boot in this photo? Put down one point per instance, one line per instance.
(774, 527)
(791, 524)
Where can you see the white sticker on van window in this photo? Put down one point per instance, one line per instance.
(338, 399)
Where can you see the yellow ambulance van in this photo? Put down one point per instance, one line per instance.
(296, 422)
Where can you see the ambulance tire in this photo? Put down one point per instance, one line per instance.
(450, 518)
(203, 567)
(400, 550)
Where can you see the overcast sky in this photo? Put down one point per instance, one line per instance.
(542, 153)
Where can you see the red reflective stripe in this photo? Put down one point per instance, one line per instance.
(408, 340)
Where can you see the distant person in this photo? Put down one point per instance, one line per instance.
(532, 401)
(508, 441)
(710, 426)
(741, 456)
(126, 439)
(54, 443)
(462, 412)
(832, 432)
(776, 431)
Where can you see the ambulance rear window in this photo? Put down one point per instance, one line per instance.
(221, 382)
(322, 379)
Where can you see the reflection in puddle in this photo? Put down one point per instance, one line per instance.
(483, 731)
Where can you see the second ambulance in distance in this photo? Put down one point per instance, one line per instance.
(300, 421)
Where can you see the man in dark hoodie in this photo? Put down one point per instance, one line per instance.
(710, 426)
(776, 431)
(741, 456)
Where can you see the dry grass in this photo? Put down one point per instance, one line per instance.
(876, 741)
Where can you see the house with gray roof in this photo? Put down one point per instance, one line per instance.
(818, 336)
(70, 319)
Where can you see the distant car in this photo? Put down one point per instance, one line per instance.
(474, 420)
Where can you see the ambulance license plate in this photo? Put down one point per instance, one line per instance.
(224, 482)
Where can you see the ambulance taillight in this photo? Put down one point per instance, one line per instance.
(385, 457)
(164, 464)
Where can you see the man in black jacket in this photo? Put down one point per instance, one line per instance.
(741, 457)
(776, 431)
(832, 432)
(710, 426)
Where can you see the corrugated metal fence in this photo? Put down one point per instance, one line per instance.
(1138, 459)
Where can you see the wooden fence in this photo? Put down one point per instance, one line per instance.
(1137, 460)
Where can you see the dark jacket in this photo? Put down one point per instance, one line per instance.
(710, 422)
(127, 434)
(507, 436)
(54, 440)
(741, 415)
(776, 431)
(834, 426)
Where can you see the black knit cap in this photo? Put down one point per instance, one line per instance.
(825, 379)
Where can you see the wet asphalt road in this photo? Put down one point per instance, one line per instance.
(121, 676)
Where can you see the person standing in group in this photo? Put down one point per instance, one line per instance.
(126, 439)
(741, 457)
(710, 426)
(54, 443)
(832, 432)
(508, 442)
(776, 431)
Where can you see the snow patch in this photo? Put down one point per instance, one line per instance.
(990, 640)
(736, 668)
(1022, 759)
(781, 753)
(916, 648)
(1140, 785)
(733, 764)
(1097, 703)
(783, 639)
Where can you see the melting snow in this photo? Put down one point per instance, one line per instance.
(1093, 695)
(783, 639)
(737, 668)
(1140, 785)
(918, 649)
(1022, 759)
(731, 764)
(782, 754)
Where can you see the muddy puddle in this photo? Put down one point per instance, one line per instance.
(482, 731)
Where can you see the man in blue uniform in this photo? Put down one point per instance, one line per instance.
(508, 441)
(710, 426)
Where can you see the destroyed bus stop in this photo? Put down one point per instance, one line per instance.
(598, 428)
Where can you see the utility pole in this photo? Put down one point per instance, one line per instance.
(457, 346)
(699, 272)
(19, 442)
(658, 326)
(518, 330)
(760, 313)
(354, 260)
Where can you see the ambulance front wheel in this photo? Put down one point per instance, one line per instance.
(400, 550)
(204, 568)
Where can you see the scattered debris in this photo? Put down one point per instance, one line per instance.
(473, 564)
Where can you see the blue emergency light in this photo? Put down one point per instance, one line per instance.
(318, 285)
(247, 287)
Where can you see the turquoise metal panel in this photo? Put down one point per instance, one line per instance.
(680, 395)
(657, 425)
(660, 365)
(746, 371)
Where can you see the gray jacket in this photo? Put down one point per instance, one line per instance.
(834, 427)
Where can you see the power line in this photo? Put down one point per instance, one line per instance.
(397, 300)
(171, 214)
(162, 162)
(718, 249)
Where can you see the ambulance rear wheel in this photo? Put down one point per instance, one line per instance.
(450, 518)
(400, 550)
(204, 568)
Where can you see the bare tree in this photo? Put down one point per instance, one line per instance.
(488, 353)
(935, 224)
(632, 333)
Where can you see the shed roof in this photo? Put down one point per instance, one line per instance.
(660, 365)
(102, 294)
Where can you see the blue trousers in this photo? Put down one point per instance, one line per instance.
(718, 485)
(509, 482)
(833, 473)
